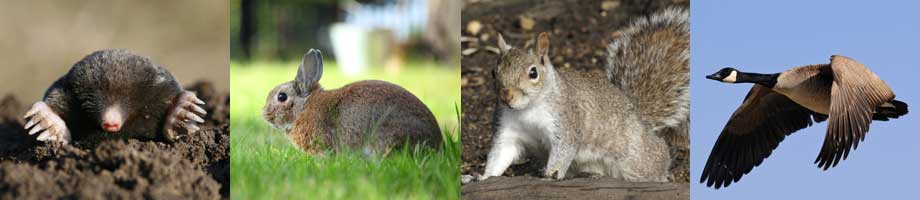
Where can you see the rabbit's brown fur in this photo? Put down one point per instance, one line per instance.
(346, 117)
(368, 115)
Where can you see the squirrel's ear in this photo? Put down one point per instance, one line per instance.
(543, 44)
(311, 69)
(502, 46)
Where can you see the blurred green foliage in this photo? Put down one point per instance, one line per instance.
(279, 29)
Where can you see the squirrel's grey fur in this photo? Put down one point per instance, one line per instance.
(581, 122)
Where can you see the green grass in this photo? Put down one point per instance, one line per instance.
(265, 165)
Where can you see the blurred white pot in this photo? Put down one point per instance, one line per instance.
(358, 48)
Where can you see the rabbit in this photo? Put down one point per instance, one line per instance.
(591, 124)
(371, 116)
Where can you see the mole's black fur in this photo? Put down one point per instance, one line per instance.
(143, 90)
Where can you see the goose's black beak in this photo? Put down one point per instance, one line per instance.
(715, 76)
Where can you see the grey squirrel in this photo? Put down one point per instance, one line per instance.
(371, 115)
(588, 123)
(115, 92)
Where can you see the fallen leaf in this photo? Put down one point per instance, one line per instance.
(527, 23)
(470, 51)
(493, 49)
(473, 27)
(609, 5)
(467, 39)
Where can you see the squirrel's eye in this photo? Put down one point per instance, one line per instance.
(282, 97)
(532, 73)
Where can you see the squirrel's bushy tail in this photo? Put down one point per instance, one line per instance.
(650, 61)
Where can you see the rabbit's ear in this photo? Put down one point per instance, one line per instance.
(502, 45)
(311, 69)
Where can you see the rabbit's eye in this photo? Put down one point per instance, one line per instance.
(282, 97)
(532, 73)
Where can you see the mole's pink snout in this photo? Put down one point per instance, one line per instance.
(112, 119)
(111, 126)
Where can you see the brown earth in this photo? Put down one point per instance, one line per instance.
(194, 167)
(580, 31)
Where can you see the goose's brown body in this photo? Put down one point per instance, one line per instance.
(844, 93)
(807, 87)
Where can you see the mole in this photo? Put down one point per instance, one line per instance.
(115, 93)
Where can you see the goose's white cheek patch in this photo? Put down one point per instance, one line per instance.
(731, 77)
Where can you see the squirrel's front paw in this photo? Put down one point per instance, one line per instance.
(554, 173)
(551, 174)
(482, 177)
(185, 114)
(51, 127)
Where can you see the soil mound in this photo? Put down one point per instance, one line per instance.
(196, 166)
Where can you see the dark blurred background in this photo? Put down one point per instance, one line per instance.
(363, 32)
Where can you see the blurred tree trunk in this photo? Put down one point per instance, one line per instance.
(443, 29)
(247, 27)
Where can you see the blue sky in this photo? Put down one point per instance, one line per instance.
(772, 36)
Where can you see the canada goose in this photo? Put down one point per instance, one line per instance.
(843, 92)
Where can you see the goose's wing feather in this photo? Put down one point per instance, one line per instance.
(755, 129)
(855, 94)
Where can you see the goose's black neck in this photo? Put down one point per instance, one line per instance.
(768, 80)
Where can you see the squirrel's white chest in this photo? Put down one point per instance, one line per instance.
(535, 125)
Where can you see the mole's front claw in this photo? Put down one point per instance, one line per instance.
(45, 122)
(185, 114)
